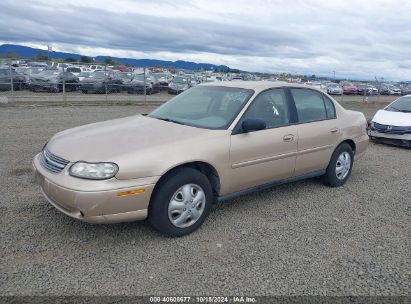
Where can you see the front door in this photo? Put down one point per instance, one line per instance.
(267, 155)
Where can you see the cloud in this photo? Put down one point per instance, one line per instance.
(358, 38)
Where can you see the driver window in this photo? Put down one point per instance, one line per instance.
(271, 106)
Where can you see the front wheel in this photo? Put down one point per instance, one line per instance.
(181, 202)
(340, 166)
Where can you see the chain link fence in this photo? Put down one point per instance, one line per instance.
(28, 81)
(55, 82)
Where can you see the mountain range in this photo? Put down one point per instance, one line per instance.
(29, 52)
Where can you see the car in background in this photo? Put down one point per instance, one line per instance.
(363, 89)
(19, 81)
(137, 84)
(164, 79)
(214, 142)
(83, 75)
(28, 72)
(393, 123)
(126, 77)
(101, 82)
(178, 85)
(334, 89)
(349, 89)
(406, 90)
(389, 90)
(96, 67)
(76, 70)
(53, 80)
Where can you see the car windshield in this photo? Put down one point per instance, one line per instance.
(333, 85)
(179, 80)
(204, 107)
(402, 104)
(74, 70)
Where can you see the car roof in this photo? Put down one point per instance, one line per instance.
(257, 85)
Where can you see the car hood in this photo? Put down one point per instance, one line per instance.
(390, 118)
(110, 140)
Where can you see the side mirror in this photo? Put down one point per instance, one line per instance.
(253, 124)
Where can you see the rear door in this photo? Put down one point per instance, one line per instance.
(317, 129)
(267, 155)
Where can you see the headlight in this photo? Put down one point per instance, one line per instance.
(93, 170)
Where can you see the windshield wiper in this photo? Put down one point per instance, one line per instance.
(170, 120)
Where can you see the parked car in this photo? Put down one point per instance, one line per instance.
(28, 72)
(178, 85)
(53, 80)
(334, 89)
(164, 79)
(406, 90)
(83, 75)
(95, 67)
(372, 90)
(349, 89)
(19, 81)
(77, 70)
(101, 82)
(393, 123)
(390, 90)
(362, 89)
(211, 143)
(126, 77)
(136, 85)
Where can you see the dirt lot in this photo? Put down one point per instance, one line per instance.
(301, 238)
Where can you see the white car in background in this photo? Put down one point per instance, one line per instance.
(76, 70)
(334, 89)
(393, 124)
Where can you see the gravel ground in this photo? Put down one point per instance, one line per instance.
(298, 239)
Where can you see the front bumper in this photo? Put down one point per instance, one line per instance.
(101, 206)
(374, 133)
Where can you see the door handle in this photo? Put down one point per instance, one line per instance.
(288, 137)
(334, 130)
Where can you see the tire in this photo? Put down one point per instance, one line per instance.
(338, 171)
(173, 188)
(84, 91)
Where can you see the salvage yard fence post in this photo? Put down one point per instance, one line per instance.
(105, 82)
(144, 86)
(11, 81)
(64, 85)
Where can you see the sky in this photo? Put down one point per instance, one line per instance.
(359, 39)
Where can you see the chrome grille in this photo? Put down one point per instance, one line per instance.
(51, 162)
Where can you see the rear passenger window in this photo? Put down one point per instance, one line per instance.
(329, 107)
(310, 105)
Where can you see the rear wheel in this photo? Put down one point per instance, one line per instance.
(340, 166)
(181, 202)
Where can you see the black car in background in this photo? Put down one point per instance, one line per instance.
(136, 85)
(53, 81)
(101, 82)
(19, 81)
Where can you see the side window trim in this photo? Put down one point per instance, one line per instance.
(325, 98)
(294, 107)
(237, 129)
